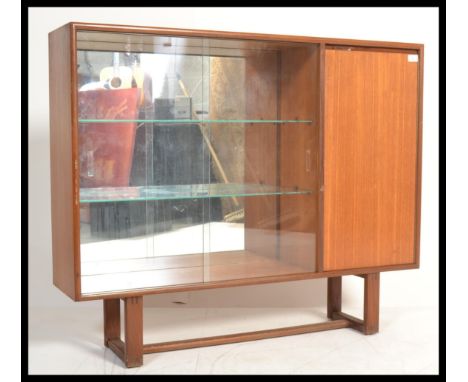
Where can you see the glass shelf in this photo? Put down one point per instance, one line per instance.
(189, 191)
(191, 121)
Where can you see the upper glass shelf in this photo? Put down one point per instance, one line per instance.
(184, 191)
(191, 121)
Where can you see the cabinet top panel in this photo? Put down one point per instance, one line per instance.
(131, 29)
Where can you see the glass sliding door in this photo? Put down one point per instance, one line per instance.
(198, 159)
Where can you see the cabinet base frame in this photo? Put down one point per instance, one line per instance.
(131, 351)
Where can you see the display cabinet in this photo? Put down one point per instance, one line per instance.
(186, 159)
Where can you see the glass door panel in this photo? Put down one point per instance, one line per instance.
(273, 148)
(131, 162)
(198, 159)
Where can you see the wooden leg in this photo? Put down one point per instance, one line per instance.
(371, 303)
(333, 296)
(133, 331)
(111, 320)
(370, 323)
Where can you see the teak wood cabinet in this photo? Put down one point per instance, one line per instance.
(186, 159)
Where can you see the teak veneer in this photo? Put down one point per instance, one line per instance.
(337, 121)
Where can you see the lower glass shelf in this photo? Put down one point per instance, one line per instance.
(184, 191)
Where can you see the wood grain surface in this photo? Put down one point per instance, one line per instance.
(65, 273)
(256, 280)
(111, 320)
(334, 292)
(371, 303)
(133, 331)
(248, 336)
(237, 35)
(370, 158)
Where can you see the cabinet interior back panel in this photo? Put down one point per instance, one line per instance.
(370, 158)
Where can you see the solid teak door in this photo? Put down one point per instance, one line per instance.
(370, 158)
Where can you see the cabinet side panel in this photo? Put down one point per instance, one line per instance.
(370, 159)
(61, 160)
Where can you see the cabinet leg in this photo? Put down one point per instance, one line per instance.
(370, 323)
(133, 331)
(111, 320)
(371, 303)
(333, 296)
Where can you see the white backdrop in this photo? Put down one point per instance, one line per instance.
(419, 25)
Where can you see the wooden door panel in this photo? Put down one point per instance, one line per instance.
(370, 158)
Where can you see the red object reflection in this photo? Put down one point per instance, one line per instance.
(106, 149)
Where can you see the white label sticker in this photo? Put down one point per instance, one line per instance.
(412, 58)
